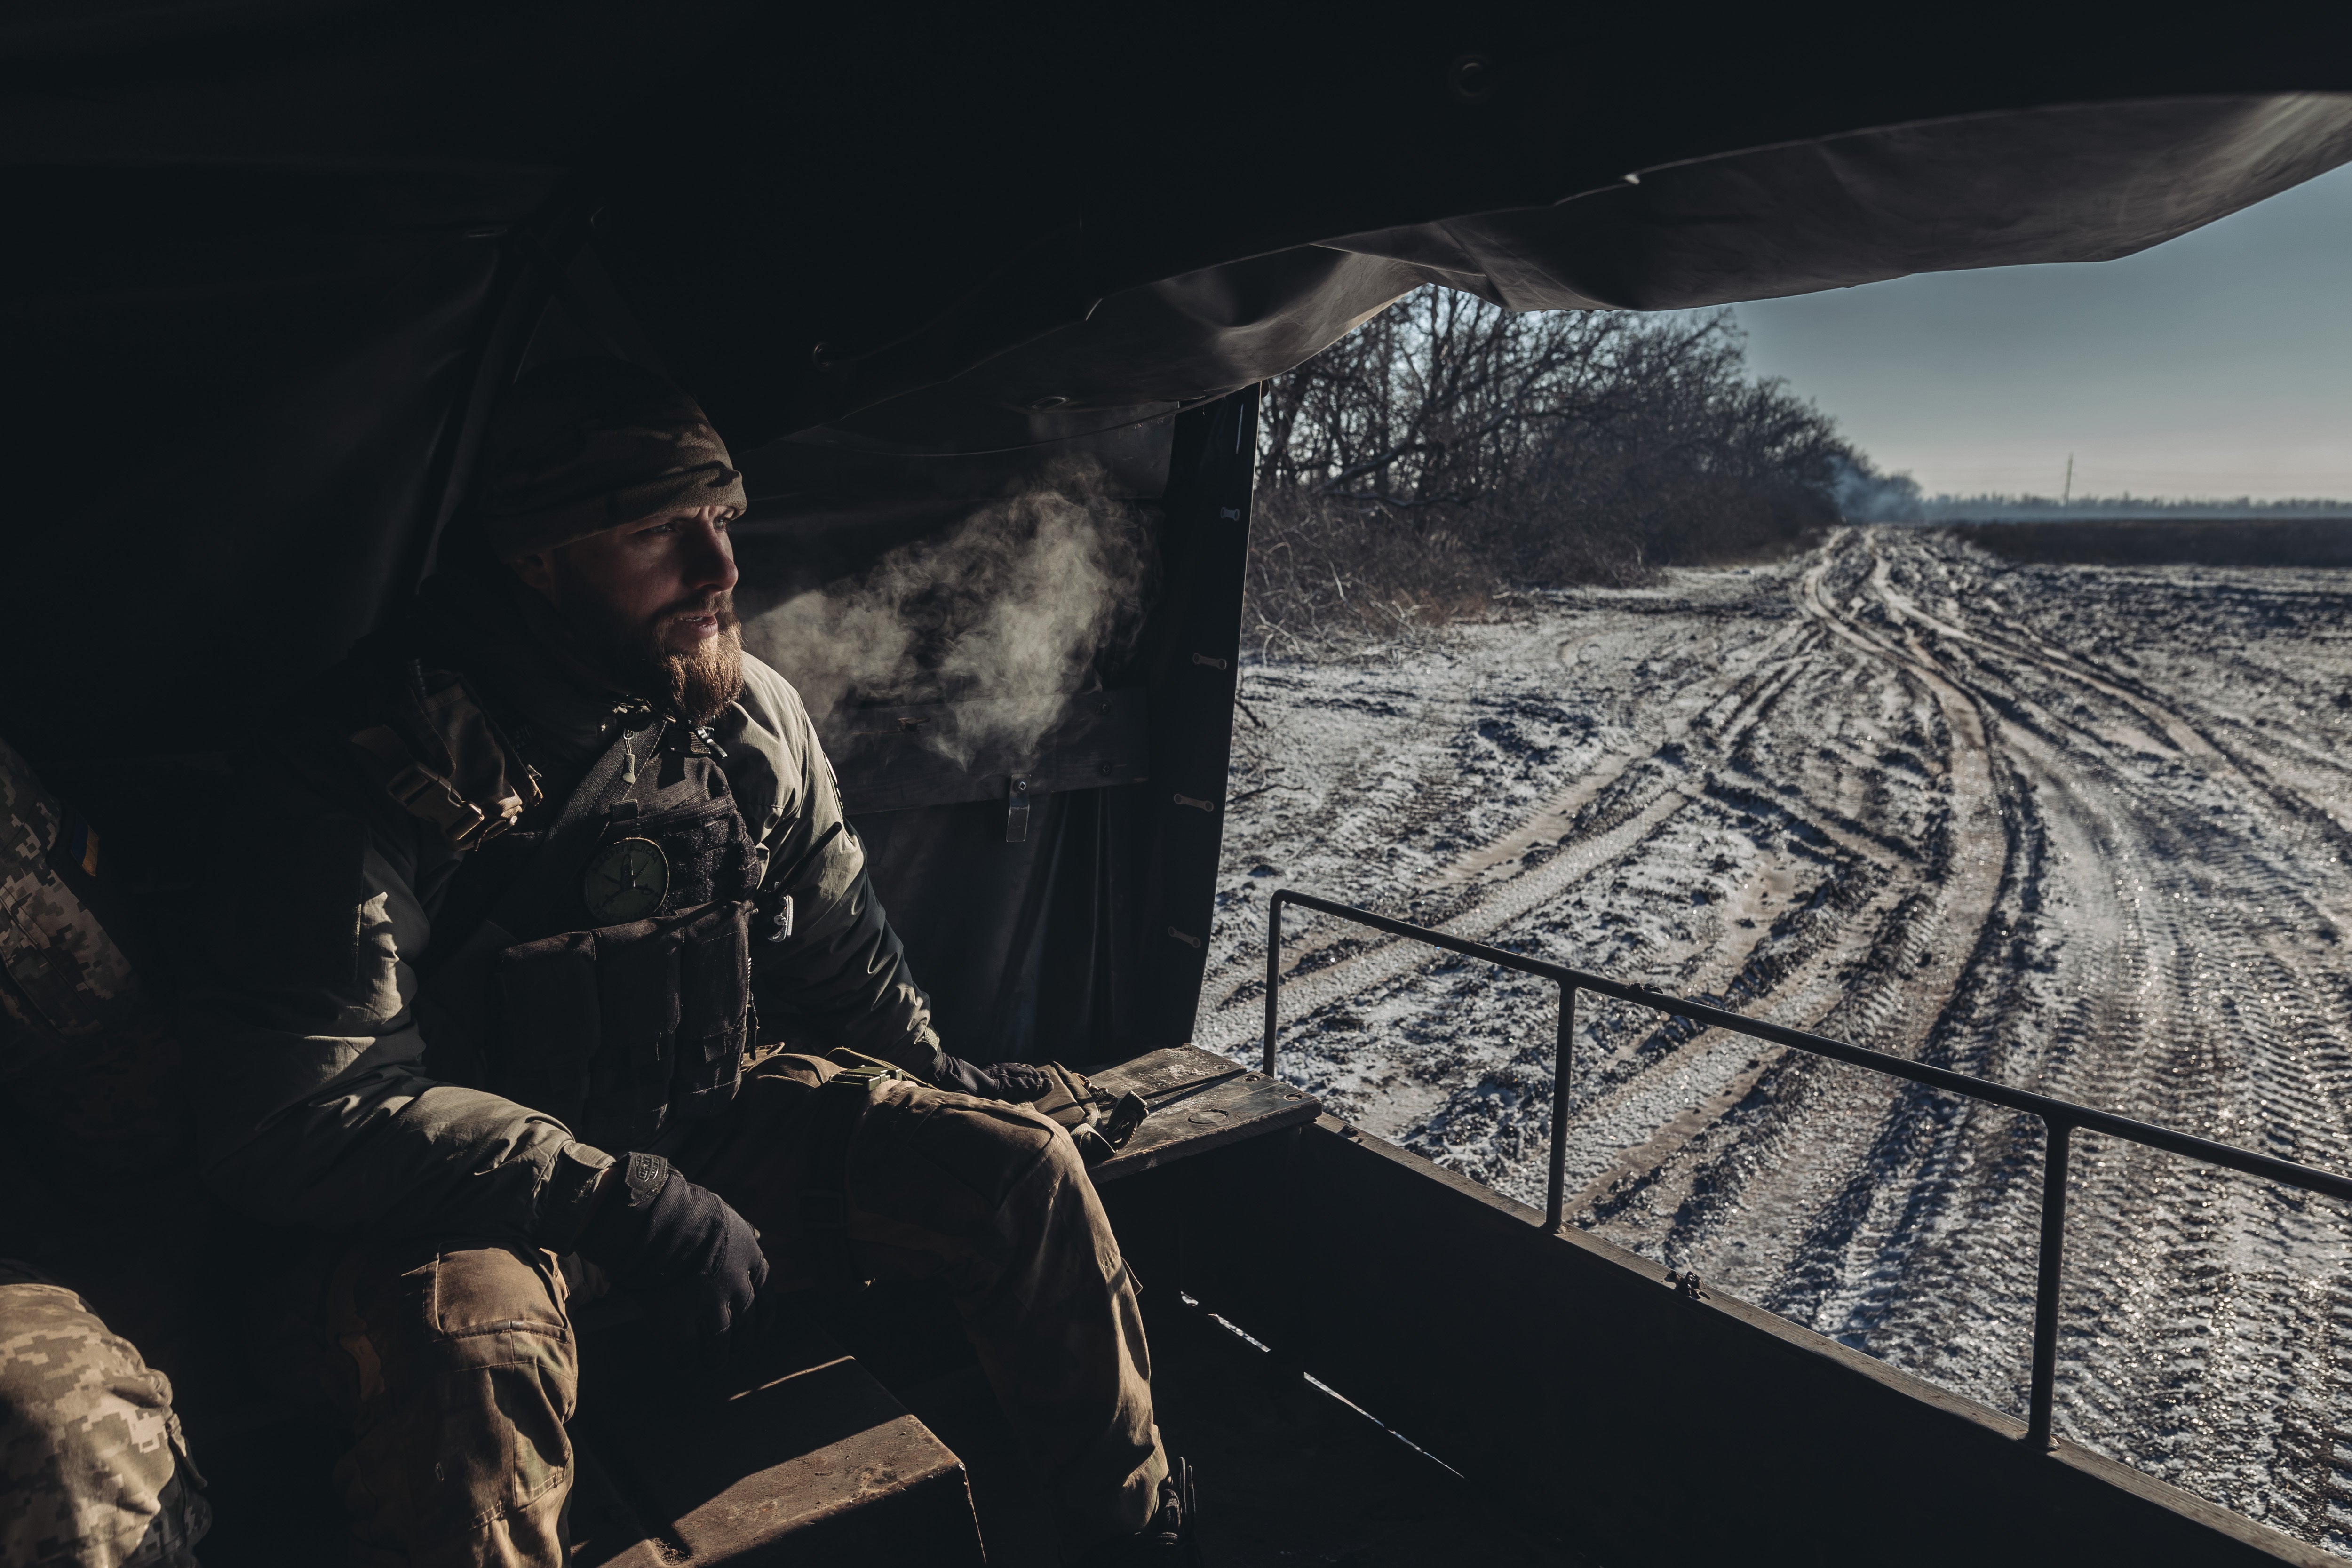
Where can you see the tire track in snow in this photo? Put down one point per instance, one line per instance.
(2079, 829)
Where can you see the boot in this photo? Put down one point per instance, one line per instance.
(1169, 1539)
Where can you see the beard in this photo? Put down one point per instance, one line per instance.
(693, 686)
(697, 685)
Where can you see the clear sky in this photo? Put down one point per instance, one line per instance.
(2218, 365)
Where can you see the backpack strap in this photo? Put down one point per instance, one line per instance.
(441, 758)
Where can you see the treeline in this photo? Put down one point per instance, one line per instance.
(1448, 449)
(1941, 509)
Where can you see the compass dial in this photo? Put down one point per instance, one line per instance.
(625, 882)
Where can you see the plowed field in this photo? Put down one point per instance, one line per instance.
(2087, 830)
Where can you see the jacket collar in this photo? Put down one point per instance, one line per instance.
(528, 663)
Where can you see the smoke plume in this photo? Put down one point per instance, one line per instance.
(1004, 617)
(1862, 494)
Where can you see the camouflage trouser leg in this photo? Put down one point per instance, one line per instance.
(991, 1202)
(457, 1372)
(93, 1473)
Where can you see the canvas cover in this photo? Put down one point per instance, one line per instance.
(273, 260)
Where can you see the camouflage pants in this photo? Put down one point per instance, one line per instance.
(93, 1473)
(455, 1366)
(458, 1365)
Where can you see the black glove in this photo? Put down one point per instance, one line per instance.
(697, 1261)
(1016, 1082)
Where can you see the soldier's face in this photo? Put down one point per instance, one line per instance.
(665, 581)
(654, 599)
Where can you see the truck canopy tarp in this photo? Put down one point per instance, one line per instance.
(273, 261)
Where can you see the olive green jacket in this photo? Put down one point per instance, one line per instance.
(315, 1107)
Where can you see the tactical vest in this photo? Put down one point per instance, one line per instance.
(597, 969)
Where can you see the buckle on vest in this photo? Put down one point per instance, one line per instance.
(861, 1080)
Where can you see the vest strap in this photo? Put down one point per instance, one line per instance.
(442, 759)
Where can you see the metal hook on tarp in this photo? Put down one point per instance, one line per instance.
(1016, 811)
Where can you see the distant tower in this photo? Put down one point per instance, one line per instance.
(2066, 496)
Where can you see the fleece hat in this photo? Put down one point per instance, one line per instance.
(586, 445)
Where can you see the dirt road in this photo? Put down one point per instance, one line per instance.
(2086, 830)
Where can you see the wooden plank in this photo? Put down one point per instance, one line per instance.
(606, 1532)
(888, 1489)
(1155, 1072)
(1200, 1101)
(803, 1458)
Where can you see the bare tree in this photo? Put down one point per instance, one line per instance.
(1447, 446)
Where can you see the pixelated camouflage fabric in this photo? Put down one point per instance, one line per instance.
(88, 1070)
(93, 1130)
(93, 1470)
(65, 977)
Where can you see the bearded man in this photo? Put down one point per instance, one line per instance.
(483, 1001)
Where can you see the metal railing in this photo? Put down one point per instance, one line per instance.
(2060, 1117)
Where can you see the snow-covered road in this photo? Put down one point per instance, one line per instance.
(2085, 830)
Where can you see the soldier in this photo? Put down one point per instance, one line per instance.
(481, 994)
(93, 1471)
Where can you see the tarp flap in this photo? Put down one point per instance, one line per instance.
(1085, 937)
(888, 758)
(2076, 183)
(918, 226)
(232, 393)
(264, 247)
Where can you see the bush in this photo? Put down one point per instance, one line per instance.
(1448, 449)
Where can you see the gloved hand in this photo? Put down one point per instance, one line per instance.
(1016, 1082)
(697, 1261)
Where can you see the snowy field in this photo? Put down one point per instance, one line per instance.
(2086, 830)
